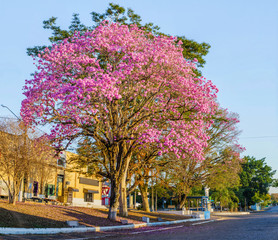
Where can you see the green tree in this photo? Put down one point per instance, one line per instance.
(226, 197)
(221, 166)
(191, 49)
(256, 178)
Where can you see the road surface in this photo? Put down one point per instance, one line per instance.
(256, 226)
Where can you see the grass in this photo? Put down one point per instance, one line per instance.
(38, 215)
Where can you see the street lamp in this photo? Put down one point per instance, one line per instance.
(18, 117)
(11, 111)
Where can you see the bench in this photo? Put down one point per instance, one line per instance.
(200, 215)
(35, 199)
(124, 222)
(72, 223)
(51, 201)
(171, 207)
(186, 212)
(146, 219)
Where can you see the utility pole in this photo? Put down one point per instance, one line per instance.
(152, 199)
(156, 199)
(135, 199)
(245, 204)
(156, 193)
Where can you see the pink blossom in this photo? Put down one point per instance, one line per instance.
(118, 80)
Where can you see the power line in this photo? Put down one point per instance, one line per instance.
(259, 137)
(9, 118)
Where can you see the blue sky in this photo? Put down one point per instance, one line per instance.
(242, 61)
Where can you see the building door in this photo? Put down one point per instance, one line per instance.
(70, 196)
(35, 188)
(59, 189)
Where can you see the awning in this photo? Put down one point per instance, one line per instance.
(85, 190)
(73, 189)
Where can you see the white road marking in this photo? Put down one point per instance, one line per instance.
(76, 238)
(161, 229)
(92, 237)
(133, 233)
(203, 222)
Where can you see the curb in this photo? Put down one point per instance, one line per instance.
(230, 213)
(17, 231)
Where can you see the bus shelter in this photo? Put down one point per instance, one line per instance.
(197, 203)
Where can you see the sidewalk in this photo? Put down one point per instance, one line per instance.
(22, 231)
(229, 213)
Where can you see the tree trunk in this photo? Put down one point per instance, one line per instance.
(152, 200)
(42, 185)
(114, 200)
(10, 198)
(182, 202)
(16, 190)
(144, 194)
(156, 200)
(12, 194)
(11, 191)
(20, 191)
(134, 200)
(123, 198)
(14, 199)
(25, 187)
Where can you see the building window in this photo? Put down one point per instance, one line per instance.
(49, 190)
(88, 197)
(61, 162)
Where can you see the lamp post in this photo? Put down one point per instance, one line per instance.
(11, 111)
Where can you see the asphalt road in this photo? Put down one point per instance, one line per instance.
(256, 226)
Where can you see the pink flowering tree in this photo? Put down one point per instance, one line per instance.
(122, 88)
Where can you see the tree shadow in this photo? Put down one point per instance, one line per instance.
(87, 217)
(11, 218)
(137, 215)
(47, 216)
(90, 217)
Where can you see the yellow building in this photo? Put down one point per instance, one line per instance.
(62, 181)
(72, 186)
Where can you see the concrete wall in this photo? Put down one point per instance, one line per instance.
(81, 203)
(3, 189)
